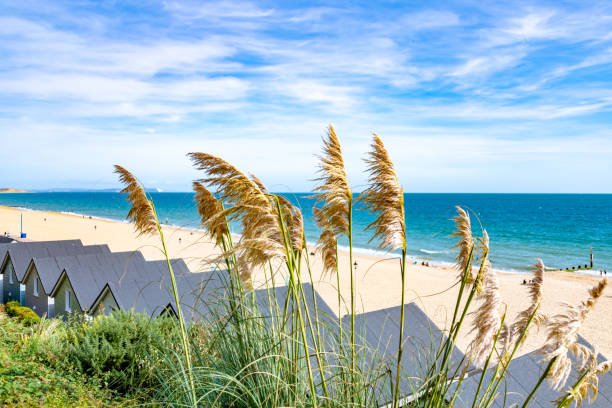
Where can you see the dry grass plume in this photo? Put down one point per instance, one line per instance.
(334, 196)
(142, 212)
(465, 244)
(385, 198)
(248, 202)
(590, 382)
(535, 294)
(211, 213)
(487, 321)
(563, 336)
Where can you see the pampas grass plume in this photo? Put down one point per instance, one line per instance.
(142, 212)
(385, 198)
(334, 195)
(211, 213)
(563, 336)
(465, 244)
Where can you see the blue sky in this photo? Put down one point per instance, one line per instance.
(468, 96)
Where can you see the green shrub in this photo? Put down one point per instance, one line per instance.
(24, 314)
(120, 349)
(10, 308)
(31, 376)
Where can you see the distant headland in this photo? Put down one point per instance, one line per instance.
(12, 190)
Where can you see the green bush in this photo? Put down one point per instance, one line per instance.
(24, 314)
(10, 308)
(31, 376)
(121, 349)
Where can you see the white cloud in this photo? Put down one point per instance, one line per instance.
(429, 19)
(533, 26)
(217, 9)
(337, 98)
(242, 79)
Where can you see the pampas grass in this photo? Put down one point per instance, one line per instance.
(272, 229)
(327, 245)
(336, 211)
(295, 223)
(249, 203)
(532, 312)
(211, 213)
(334, 193)
(246, 359)
(143, 214)
(563, 336)
(487, 320)
(384, 198)
(465, 244)
(588, 383)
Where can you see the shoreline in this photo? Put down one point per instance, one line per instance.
(377, 279)
(378, 254)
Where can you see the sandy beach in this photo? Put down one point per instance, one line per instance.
(378, 280)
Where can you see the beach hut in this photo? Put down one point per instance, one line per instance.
(148, 289)
(142, 288)
(41, 276)
(522, 375)
(84, 276)
(16, 258)
(377, 337)
(3, 247)
(199, 293)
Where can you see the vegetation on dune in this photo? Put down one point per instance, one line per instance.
(24, 314)
(267, 350)
(33, 375)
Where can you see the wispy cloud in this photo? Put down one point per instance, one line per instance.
(478, 79)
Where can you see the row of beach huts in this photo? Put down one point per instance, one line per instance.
(54, 278)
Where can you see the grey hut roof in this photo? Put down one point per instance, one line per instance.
(50, 268)
(144, 287)
(88, 274)
(377, 334)
(268, 299)
(201, 292)
(197, 291)
(6, 240)
(21, 253)
(3, 248)
(522, 375)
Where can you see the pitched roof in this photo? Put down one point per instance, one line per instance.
(3, 247)
(377, 333)
(198, 292)
(50, 268)
(21, 253)
(89, 274)
(522, 375)
(271, 303)
(144, 287)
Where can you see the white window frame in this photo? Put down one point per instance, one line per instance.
(35, 286)
(10, 272)
(68, 301)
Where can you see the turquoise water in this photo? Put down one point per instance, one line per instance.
(559, 228)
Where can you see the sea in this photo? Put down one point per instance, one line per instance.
(561, 229)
